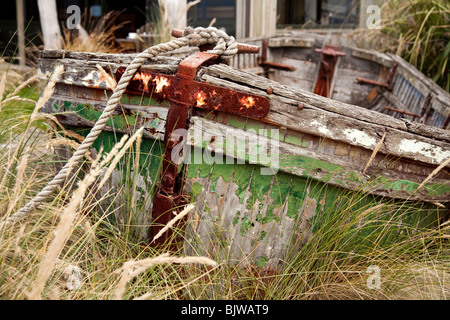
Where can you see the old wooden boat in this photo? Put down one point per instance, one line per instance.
(319, 63)
(262, 160)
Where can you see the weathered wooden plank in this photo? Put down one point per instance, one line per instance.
(307, 55)
(296, 42)
(347, 89)
(224, 72)
(306, 84)
(103, 57)
(303, 69)
(85, 73)
(349, 61)
(428, 131)
(371, 55)
(71, 109)
(352, 130)
(239, 224)
(323, 166)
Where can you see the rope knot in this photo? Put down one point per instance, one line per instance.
(225, 45)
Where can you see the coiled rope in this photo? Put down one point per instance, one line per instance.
(225, 47)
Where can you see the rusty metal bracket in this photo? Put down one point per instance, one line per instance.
(182, 89)
(262, 60)
(414, 115)
(386, 84)
(330, 55)
(184, 92)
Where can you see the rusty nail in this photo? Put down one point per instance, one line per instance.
(269, 90)
(300, 107)
(177, 94)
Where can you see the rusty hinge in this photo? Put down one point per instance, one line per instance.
(330, 54)
(262, 60)
(183, 93)
(386, 84)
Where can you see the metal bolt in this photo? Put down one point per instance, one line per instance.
(177, 94)
(300, 107)
(269, 90)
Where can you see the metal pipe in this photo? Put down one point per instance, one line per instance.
(403, 112)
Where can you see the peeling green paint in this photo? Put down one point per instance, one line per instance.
(309, 164)
(213, 185)
(196, 189)
(252, 126)
(87, 112)
(236, 218)
(436, 189)
(246, 225)
(311, 168)
(269, 217)
(242, 177)
(404, 185)
(262, 235)
(433, 189)
(236, 123)
(141, 100)
(123, 122)
(261, 261)
(225, 171)
(283, 189)
(295, 140)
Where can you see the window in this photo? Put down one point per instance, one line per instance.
(222, 10)
(318, 13)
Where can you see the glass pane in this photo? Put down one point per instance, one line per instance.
(318, 13)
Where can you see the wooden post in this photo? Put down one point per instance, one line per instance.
(49, 24)
(20, 31)
(241, 19)
(175, 12)
(263, 15)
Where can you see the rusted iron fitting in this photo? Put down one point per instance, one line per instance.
(184, 92)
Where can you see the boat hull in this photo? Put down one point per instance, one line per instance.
(261, 187)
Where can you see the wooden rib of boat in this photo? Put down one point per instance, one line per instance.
(263, 181)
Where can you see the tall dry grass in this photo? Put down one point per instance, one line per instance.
(93, 35)
(163, 27)
(61, 251)
(416, 30)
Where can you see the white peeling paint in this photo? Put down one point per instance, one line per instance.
(436, 153)
(360, 137)
(322, 128)
(89, 79)
(94, 79)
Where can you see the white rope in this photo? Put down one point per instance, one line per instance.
(225, 46)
